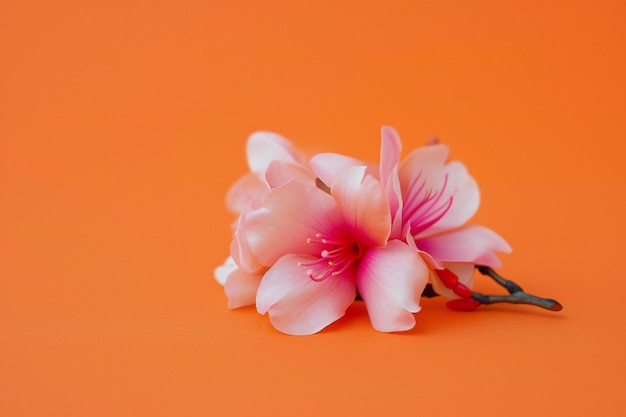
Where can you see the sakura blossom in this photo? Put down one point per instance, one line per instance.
(431, 201)
(310, 239)
(321, 249)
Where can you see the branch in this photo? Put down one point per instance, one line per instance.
(517, 295)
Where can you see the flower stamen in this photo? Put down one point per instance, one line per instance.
(335, 258)
(425, 213)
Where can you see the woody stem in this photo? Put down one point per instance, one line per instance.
(517, 295)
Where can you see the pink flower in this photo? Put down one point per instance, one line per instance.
(321, 249)
(303, 250)
(430, 202)
(438, 199)
(272, 160)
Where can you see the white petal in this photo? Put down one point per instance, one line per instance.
(265, 147)
(327, 166)
(241, 288)
(222, 271)
(279, 173)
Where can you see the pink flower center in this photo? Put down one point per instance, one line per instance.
(423, 208)
(336, 257)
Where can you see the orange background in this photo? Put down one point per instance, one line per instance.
(122, 125)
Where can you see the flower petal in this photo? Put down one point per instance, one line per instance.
(246, 194)
(394, 197)
(291, 215)
(430, 261)
(389, 152)
(463, 271)
(240, 249)
(279, 173)
(298, 305)
(391, 281)
(327, 166)
(423, 159)
(437, 197)
(363, 205)
(389, 159)
(472, 243)
(264, 147)
(465, 201)
(222, 271)
(241, 288)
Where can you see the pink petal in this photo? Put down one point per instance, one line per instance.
(291, 215)
(430, 261)
(424, 173)
(394, 196)
(279, 173)
(425, 158)
(466, 199)
(265, 147)
(327, 166)
(240, 249)
(222, 271)
(363, 205)
(472, 244)
(389, 159)
(391, 281)
(298, 305)
(389, 152)
(241, 288)
(463, 271)
(246, 194)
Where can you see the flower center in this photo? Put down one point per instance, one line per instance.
(336, 257)
(424, 206)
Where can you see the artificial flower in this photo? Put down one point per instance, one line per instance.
(431, 201)
(264, 149)
(321, 249)
(309, 240)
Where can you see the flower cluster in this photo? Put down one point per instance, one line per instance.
(313, 235)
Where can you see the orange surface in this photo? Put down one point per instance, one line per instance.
(123, 125)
